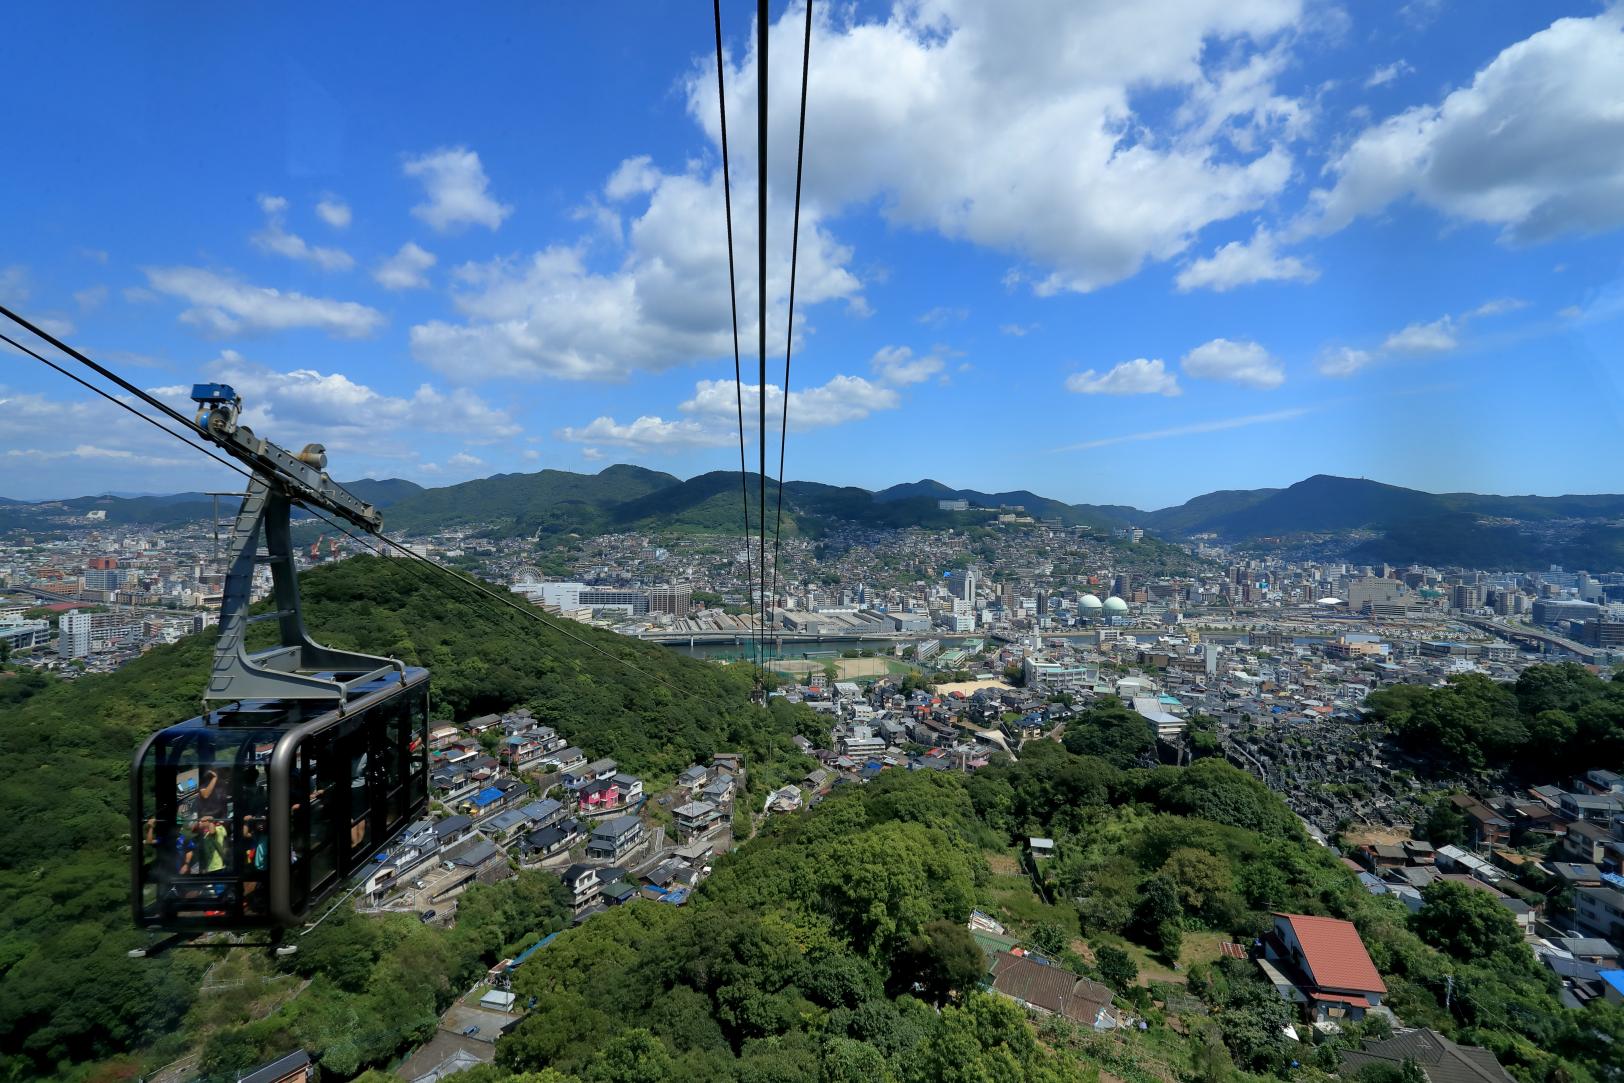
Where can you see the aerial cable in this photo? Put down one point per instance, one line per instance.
(761, 301)
(794, 252)
(463, 581)
(733, 297)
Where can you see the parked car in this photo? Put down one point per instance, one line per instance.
(420, 884)
(428, 916)
(470, 1032)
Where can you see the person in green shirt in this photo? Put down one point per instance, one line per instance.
(209, 851)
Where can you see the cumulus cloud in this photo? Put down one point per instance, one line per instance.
(405, 269)
(943, 314)
(897, 366)
(591, 453)
(334, 211)
(712, 414)
(1241, 263)
(14, 285)
(1065, 173)
(90, 298)
(331, 408)
(1419, 339)
(1387, 73)
(1139, 377)
(457, 188)
(1241, 362)
(463, 459)
(1534, 145)
(88, 445)
(664, 304)
(648, 433)
(224, 306)
(1017, 330)
(275, 238)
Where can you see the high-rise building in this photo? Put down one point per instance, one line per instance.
(82, 633)
(674, 600)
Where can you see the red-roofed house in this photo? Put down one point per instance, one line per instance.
(1321, 964)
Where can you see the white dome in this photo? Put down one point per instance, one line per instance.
(1091, 601)
(1330, 601)
(1113, 604)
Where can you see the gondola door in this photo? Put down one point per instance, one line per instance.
(364, 815)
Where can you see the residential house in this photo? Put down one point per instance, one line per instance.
(631, 787)
(563, 759)
(613, 839)
(692, 778)
(484, 722)
(575, 777)
(483, 858)
(730, 762)
(1599, 911)
(695, 818)
(553, 839)
(582, 883)
(543, 813)
(597, 796)
(505, 825)
(1488, 827)
(785, 799)
(817, 780)
(1051, 990)
(1321, 964)
(453, 829)
(496, 797)
(1586, 843)
(1591, 808)
(413, 851)
(441, 737)
(1441, 1060)
(718, 791)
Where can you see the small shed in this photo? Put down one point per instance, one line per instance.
(499, 1000)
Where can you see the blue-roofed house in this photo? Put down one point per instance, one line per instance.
(1612, 985)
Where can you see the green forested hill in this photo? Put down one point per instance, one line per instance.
(67, 992)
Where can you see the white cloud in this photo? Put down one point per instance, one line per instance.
(1343, 360)
(1416, 338)
(14, 287)
(592, 453)
(1387, 73)
(52, 324)
(530, 455)
(1139, 377)
(648, 433)
(457, 188)
(463, 459)
(275, 238)
(664, 304)
(90, 298)
(90, 453)
(224, 306)
(842, 399)
(1241, 362)
(1220, 425)
(980, 121)
(1018, 330)
(635, 176)
(943, 314)
(1499, 306)
(405, 269)
(1534, 145)
(1240, 263)
(897, 366)
(334, 211)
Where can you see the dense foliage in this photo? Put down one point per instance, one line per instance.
(1551, 722)
(67, 990)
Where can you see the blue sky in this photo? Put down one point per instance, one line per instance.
(1121, 254)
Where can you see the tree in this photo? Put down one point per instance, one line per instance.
(1253, 1021)
(1050, 939)
(1116, 967)
(1445, 824)
(632, 1056)
(1156, 917)
(1467, 923)
(1112, 732)
(1199, 876)
(943, 960)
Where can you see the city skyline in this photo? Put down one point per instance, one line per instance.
(1289, 240)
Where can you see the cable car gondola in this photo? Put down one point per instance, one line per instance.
(254, 813)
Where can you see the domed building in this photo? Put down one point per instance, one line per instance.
(1090, 603)
(1115, 607)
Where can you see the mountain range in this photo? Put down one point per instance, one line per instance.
(1379, 522)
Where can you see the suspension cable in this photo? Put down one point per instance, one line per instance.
(761, 301)
(733, 298)
(463, 581)
(794, 252)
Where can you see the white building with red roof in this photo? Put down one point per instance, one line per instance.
(1321, 964)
